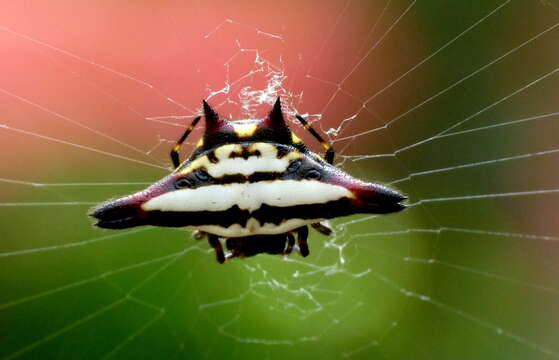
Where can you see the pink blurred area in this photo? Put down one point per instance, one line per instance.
(89, 73)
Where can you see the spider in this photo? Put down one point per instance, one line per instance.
(251, 185)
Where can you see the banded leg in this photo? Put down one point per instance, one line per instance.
(329, 157)
(330, 153)
(321, 228)
(175, 152)
(290, 243)
(302, 236)
(216, 245)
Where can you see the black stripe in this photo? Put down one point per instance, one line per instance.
(252, 178)
(265, 214)
(245, 153)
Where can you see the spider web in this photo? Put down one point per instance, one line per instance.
(453, 104)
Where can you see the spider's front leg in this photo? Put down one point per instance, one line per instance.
(175, 152)
(330, 153)
(216, 245)
(302, 236)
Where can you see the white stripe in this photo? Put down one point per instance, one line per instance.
(247, 167)
(248, 196)
(253, 227)
(267, 161)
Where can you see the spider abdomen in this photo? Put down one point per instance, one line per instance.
(248, 189)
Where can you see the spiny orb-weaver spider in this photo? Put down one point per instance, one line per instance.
(252, 184)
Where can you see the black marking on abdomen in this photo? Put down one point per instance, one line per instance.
(245, 153)
(211, 156)
(252, 178)
(265, 214)
(282, 151)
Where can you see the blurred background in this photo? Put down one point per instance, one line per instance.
(453, 103)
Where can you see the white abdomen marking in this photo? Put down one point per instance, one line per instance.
(264, 160)
(253, 227)
(248, 196)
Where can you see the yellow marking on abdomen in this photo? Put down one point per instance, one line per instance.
(263, 158)
(244, 130)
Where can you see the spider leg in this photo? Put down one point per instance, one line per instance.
(177, 147)
(302, 235)
(330, 153)
(321, 228)
(290, 243)
(216, 245)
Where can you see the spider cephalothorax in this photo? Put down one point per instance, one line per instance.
(252, 183)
